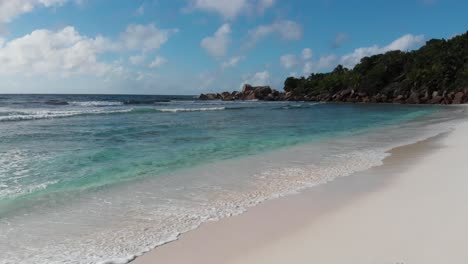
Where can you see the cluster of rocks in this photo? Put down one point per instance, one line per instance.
(266, 93)
(262, 93)
(435, 97)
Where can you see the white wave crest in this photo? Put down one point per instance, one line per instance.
(175, 110)
(96, 103)
(23, 116)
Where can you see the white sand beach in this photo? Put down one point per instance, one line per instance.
(412, 210)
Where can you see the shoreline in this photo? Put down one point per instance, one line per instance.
(253, 232)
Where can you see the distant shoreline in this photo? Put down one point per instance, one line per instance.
(436, 73)
(266, 93)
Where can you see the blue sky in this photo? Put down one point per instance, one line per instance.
(194, 46)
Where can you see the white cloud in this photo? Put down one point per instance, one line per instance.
(9, 9)
(145, 37)
(227, 8)
(294, 74)
(308, 67)
(264, 5)
(257, 79)
(217, 44)
(136, 59)
(232, 62)
(307, 54)
(324, 62)
(289, 61)
(61, 52)
(158, 62)
(286, 29)
(403, 43)
(230, 9)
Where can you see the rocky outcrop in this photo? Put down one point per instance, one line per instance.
(390, 95)
(264, 93)
(459, 98)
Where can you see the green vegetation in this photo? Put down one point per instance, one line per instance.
(439, 66)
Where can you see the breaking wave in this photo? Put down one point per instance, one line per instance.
(96, 103)
(175, 110)
(23, 116)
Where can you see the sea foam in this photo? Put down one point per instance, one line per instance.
(201, 109)
(96, 103)
(47, 114)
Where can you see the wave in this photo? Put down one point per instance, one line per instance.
(175, 110)
(296, 106)
(50, 114)
(96, 103)
(145, 102)
(105, 103)
(56, 102)
(24, 116)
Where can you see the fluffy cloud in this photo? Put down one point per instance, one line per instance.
(289, 61)
(217, 44)
(9, 9)
(158, 62)
(307, 54)
(232, 62)
(323, 63)
(66, 52)
(137, 59)
(257, 79)
(145, 37)
(264, 5)
(61, 52)
(403, 43)
(286, 29)
(230, 9)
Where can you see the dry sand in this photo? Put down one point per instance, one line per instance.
(411, 210)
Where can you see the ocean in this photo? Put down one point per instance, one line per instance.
(105, 178)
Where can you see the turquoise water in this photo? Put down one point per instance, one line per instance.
(58, 151)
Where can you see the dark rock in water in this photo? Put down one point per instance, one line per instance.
(262, 92)
(203, 97)
(459, 98)
(247, 88)
(210, 96)
(269, 97)
(399, 99)
(56, 102)
(250, 96)
(227, 96)
(346, 92)
(425, 98)
(413, 98)
(436, 99)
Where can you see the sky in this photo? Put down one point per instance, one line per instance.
(197, 46)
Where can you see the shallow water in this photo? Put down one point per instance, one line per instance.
(90, 179)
